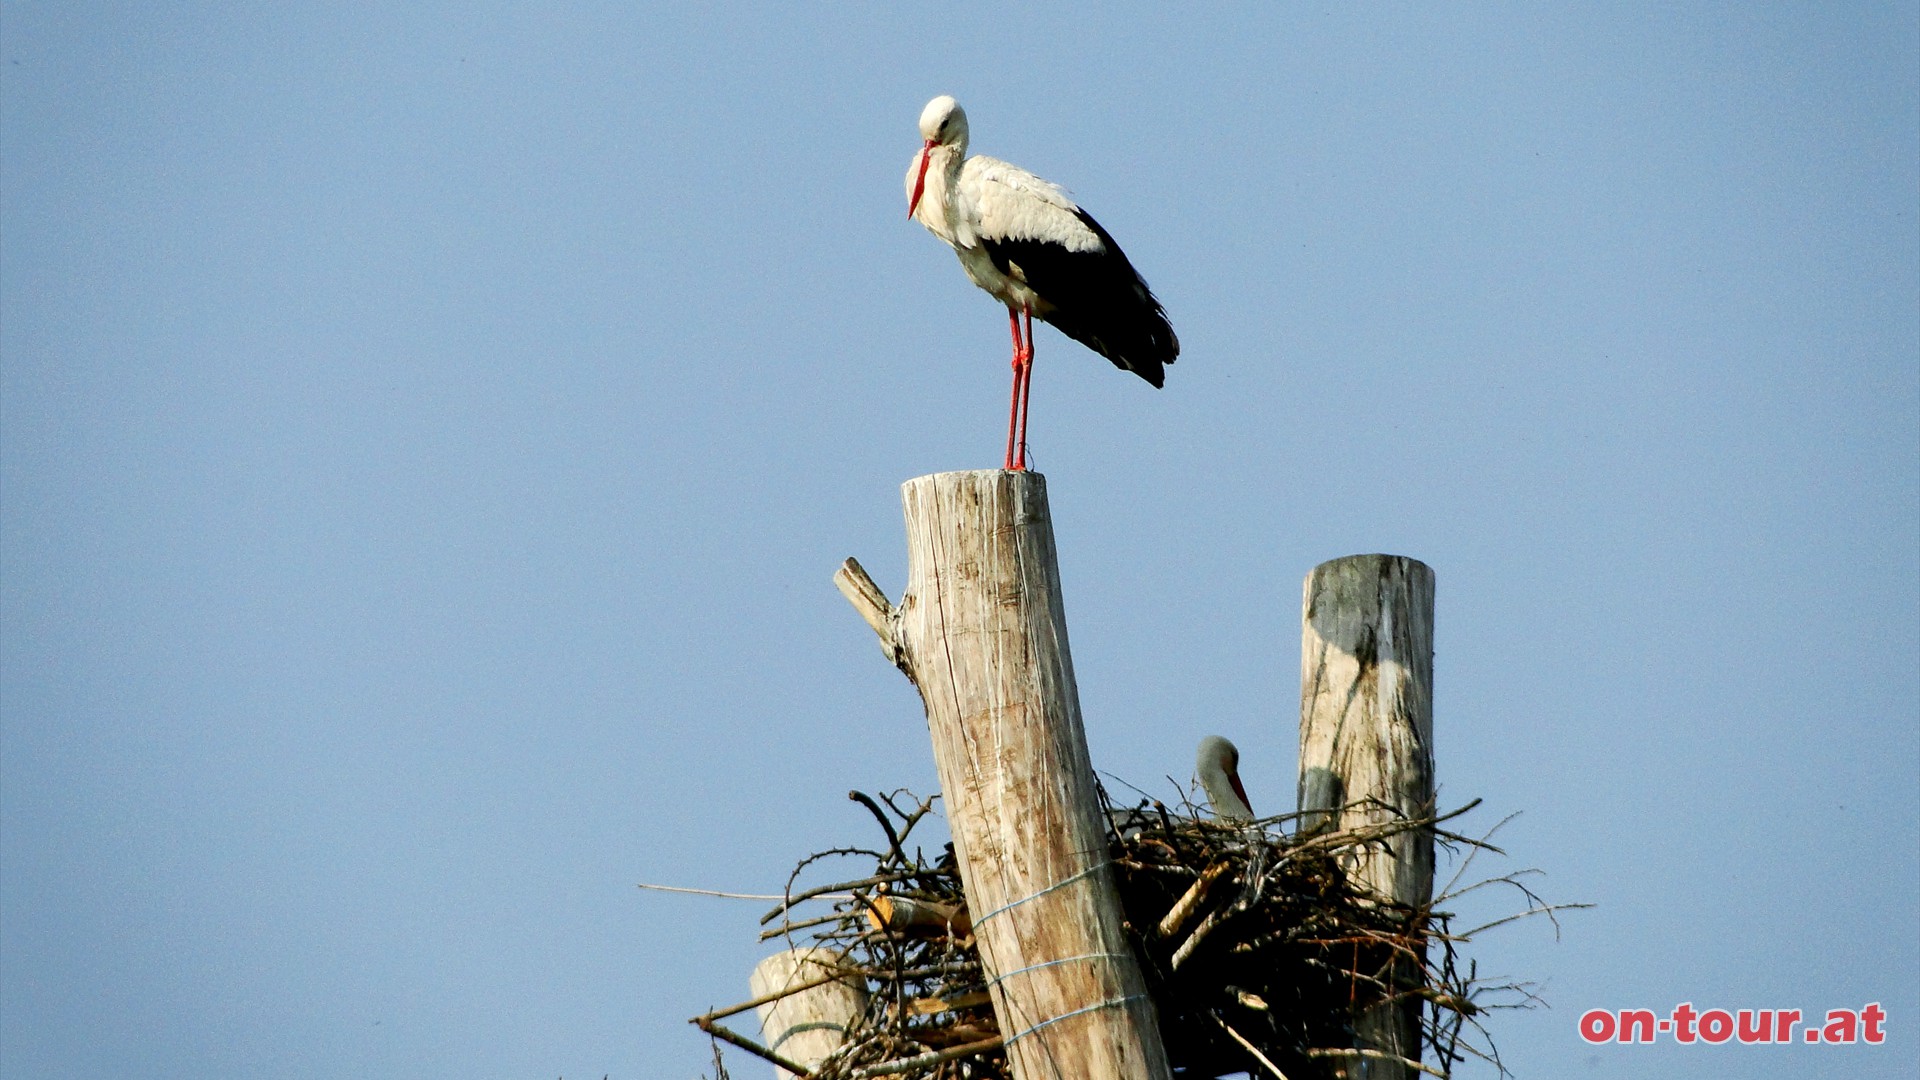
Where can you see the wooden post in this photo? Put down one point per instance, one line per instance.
(806, 1025)
(981, 632)
(1366, 732)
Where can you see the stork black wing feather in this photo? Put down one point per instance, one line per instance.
(1098, 298)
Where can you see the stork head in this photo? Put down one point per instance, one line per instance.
(1218, 764)
(943, 124)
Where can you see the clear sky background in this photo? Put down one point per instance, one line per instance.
(427, 437)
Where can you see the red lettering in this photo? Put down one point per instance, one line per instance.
(1636, 1025)
(1871, 1016)
(1837, 1027)
(1683, 1021)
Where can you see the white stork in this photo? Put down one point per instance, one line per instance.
(1218, 764)
(1023, 240)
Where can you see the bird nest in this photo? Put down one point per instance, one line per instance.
(1258, 947)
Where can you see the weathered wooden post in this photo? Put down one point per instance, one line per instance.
(981, 632)
(1366, 733)
(810, 1021)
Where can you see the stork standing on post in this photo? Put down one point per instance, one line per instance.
(1023, 240)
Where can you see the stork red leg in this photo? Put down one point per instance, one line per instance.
(1026, 384)
(1013, 411)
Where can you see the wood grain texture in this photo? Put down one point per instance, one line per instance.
(805, 1026)
(1366, 732)
(982, 634)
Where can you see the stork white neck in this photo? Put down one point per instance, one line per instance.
(1218, 764)
(935, 170)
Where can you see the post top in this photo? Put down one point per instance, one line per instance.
(1023, 481)
(952, 475)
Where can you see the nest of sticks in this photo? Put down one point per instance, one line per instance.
(1258, 949)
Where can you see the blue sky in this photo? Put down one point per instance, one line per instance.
(427, 436)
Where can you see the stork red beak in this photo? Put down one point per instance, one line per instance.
(1234, 779)
(920, 182)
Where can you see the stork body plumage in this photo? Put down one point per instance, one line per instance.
(1026, 243)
